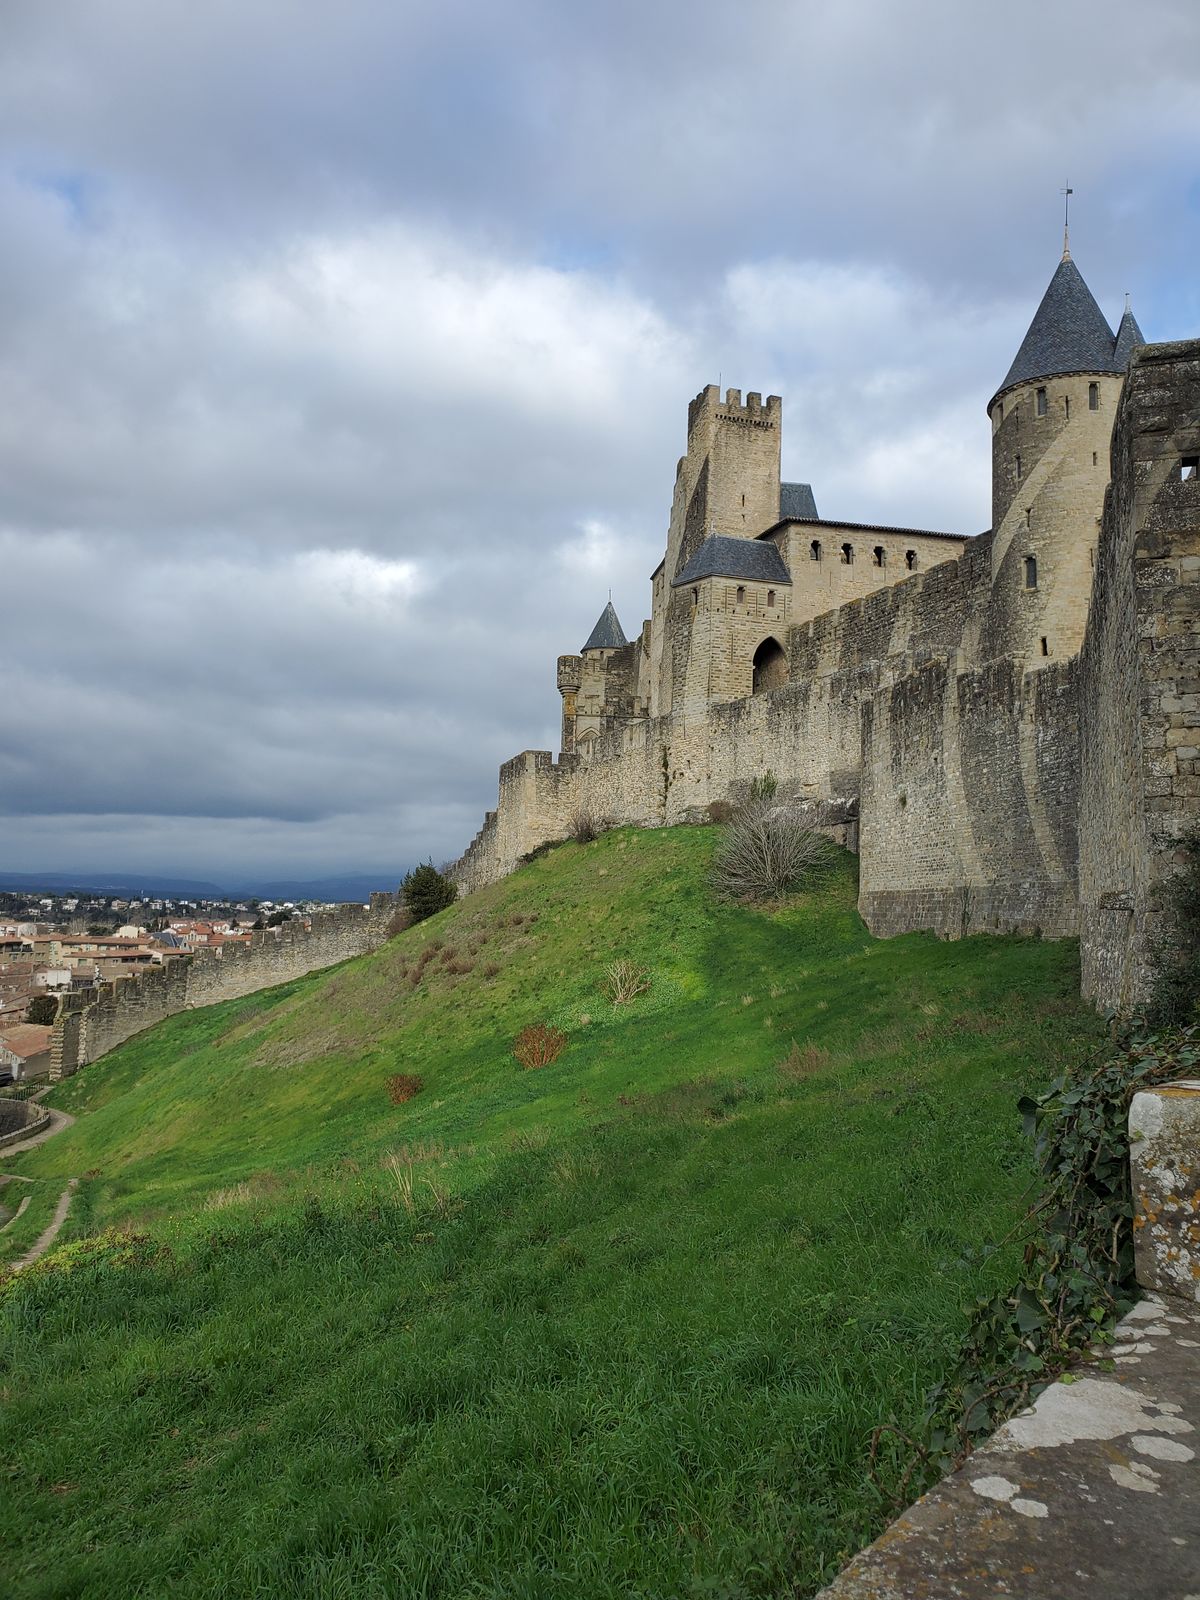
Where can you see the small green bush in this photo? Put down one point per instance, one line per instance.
(427, 891)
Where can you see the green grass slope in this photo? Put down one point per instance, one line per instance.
(618, 1326)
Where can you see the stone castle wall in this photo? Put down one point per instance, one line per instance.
(1140, 673)
(983, 792)
(89, 1026)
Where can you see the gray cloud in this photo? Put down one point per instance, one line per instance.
(346, 354)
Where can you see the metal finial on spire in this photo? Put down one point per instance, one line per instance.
(1127, 301)
(1066, 194)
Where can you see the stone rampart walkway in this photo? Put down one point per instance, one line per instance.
(1093, 1492)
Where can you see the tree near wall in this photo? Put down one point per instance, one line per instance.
(426, 891)
(42, 1009)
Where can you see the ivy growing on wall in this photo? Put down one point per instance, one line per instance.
(1077, 1273)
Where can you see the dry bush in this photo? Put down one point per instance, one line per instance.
(767, 850)
(538, 1045)
(238, 1194)
(585, 825)
(720, 811)
(802, 1061)
(492, 970)
(402, 1086)
(624, 981)
(460, 969)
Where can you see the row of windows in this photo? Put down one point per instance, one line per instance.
(1017, 463)
(1040, 403)
(846, 555)
(741, 595)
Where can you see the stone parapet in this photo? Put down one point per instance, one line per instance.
(1164, 1144)
(88, 1026)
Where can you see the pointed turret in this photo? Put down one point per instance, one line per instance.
(1129, 336)
(608, 633)
(1069, 333)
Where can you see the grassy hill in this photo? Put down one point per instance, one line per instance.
(618, 1326)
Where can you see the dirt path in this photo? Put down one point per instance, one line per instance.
(16, 1213)
(48, 1236)
(58, 1121)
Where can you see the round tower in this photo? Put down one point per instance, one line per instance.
(1052, 421)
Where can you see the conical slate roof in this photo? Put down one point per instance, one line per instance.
(1069, 333)
(1129, 336)
(608, 633)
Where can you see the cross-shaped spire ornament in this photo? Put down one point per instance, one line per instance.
(1066, 194)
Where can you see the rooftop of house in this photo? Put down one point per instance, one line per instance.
(1070, 333)
(26, 1040)
(797, 503)
(608, 633)
(722, 557)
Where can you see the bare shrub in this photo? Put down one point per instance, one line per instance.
(767, 850)
(538, 1045)
(459, 969)
(624, 981)
(403, 1086)
(492, 970)
(802, 1061)
(585, 825)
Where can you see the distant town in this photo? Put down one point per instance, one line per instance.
(51, 944)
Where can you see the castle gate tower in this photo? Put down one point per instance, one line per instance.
(727, 484)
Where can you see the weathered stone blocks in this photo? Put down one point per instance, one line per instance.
(1164, 1135)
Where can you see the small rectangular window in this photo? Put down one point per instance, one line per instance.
(1040, 407)
(770, 597)
(1093, 397)
(1045, 647)
(1031, 572)
(1018, 466)
(741, 594)
(1095, 459)
(1189, 467)
(1067, 406)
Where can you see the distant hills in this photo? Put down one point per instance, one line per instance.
(357, 886)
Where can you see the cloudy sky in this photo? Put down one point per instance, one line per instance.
(346, 350)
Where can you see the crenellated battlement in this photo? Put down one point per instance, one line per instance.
(709, 408)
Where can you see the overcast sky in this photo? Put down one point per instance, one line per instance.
(346, 351)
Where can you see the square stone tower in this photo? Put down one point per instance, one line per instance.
(727, 484)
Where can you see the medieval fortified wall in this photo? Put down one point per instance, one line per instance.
(1006, 727)
(89, 1026)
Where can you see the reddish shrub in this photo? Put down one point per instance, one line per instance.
(403, 1086)
(538, 1045)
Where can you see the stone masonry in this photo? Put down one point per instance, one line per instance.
(88, 1026)
(1006, 727)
